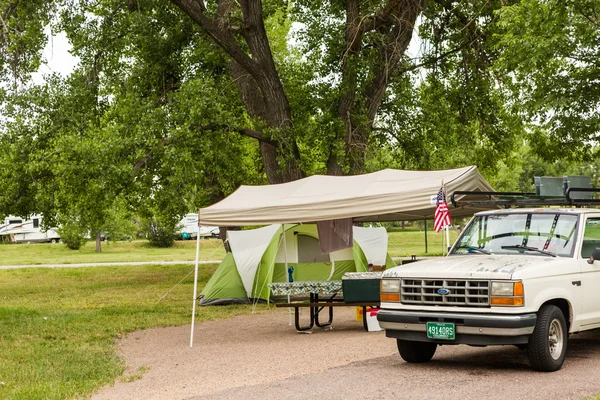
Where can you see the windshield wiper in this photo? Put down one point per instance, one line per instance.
(529, 248)
(472, 248)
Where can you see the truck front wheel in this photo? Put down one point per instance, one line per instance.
(548, 343)
(416, 352)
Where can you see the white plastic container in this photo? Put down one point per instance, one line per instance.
(372, 323)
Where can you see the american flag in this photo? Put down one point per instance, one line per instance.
(442, 215)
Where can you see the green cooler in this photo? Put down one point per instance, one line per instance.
(361, 287)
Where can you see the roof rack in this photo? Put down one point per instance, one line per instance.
(517, 199)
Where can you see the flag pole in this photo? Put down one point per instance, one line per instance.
(447, 226)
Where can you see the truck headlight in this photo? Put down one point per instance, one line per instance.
(507, 293)
(390, 290)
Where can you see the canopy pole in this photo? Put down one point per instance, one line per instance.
(425, 224)
(443, 239)
(195, 287)
(287, 274)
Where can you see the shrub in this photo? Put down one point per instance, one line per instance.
(119, 224)
(72, 235)
(160, 234)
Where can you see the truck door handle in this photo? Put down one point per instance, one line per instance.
(576, 283)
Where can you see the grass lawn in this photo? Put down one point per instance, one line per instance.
(58, 327)
(412, 242)
(401, 244)
(137, 250)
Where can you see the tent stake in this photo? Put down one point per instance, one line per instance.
(195, 287)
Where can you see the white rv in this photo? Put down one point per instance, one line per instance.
(21, 230)
(189, 228)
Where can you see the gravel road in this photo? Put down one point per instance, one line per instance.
(262, 356)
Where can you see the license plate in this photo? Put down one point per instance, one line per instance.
(441, 330)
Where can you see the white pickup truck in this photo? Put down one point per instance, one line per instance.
(524, 277)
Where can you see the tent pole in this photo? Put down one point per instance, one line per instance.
(195, 287)
(287, 275)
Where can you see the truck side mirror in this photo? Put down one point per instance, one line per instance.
(595, 255)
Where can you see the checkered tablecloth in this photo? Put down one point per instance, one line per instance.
(303, 287)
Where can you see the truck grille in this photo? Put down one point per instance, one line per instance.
(466, 293)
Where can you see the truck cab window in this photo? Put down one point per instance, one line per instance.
(591, 237)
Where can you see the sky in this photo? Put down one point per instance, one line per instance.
(57, 56)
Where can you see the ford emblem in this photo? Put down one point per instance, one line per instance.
(443, 291)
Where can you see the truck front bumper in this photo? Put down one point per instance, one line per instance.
(473, 329)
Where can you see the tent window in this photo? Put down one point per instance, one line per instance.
(36, 223)
(309, 250)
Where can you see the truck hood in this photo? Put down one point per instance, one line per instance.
(472, 266)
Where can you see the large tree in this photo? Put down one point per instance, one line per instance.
(198, 97)
(315, 79)
(123, 126)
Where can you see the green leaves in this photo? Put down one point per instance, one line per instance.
(22, 37)
(549, 53)
(159, 118)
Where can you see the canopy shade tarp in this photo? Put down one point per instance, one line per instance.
(387, 195)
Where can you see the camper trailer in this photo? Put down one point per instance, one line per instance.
(21, 230)
(188, 228)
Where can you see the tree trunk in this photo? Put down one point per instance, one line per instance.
(359, 103)
(268, 100)
(257, 80)
(262, 93)
(98, 242)
(256, 106)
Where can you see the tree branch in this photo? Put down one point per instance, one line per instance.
(223, 38)
(397, 40)
(144, 160)
(384, 17)
(242, 131)
(353, 41)
(223, 13)
(433, 60)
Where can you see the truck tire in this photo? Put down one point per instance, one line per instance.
(416, 352)
(548, 344)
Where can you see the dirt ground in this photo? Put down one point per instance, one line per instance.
(262, 356)
(245, 350)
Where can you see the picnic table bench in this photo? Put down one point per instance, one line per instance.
(315, 303)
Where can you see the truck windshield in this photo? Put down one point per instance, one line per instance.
(515, 233)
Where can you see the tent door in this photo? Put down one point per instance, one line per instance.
(308, 250)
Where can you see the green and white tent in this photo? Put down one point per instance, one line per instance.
(258, 258)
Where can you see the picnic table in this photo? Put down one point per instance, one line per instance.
(322, 294)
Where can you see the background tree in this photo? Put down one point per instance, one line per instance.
(117, 129)
(549, 59)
